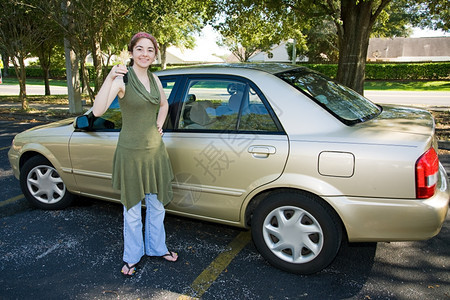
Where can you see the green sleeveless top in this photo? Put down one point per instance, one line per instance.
(141, 164)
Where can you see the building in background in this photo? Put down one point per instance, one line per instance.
(277, 54)
(177, 56)
(397, 49)
(401, 49)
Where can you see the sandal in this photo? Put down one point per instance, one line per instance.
(130, 268)
(170, 256)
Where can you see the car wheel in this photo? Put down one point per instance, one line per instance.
(42, 185)
(296, 232)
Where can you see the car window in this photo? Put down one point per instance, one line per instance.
(168, 85)
(111, 120)
(223, 105)
(344, 103)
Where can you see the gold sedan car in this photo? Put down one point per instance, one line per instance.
(301, 160)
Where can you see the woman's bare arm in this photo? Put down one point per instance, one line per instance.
(163, 106)
(112, 86)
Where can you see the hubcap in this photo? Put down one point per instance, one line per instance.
(293, 234)
(45, 184)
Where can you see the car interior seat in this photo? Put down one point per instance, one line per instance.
(198, 115)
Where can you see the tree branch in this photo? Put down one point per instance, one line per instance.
(379, 10)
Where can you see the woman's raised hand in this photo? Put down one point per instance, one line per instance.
(118, 71)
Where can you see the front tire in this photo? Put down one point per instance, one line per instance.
(42, 185)
(296, 232)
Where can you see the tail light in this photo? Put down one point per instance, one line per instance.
(427, 168)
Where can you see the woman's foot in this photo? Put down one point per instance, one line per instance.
(128, 270)
(170, 256)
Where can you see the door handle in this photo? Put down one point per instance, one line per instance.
(261, 151)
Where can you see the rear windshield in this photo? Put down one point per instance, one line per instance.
(342, 102)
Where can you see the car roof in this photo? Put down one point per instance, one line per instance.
(271, 68)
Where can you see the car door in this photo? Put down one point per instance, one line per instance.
(226, 142)
(92, 152)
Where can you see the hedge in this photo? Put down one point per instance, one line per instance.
(408, 71)
(374, 71)
(394, 71)
(37, 72)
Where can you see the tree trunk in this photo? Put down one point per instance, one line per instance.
(357, 19)
(353, 43)
(82, 66)
(97, 59)
(73, 81)
(162, 56)
(46, 68)
(72, 74)
(21, 77)
(44, 54)
(85, 74)
(46, 80)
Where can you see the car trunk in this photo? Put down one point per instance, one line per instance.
(404, 119)
(400, 126)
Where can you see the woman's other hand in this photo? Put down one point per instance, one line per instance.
(160, 130)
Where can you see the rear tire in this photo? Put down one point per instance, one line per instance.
(42, 185)
(296, 232)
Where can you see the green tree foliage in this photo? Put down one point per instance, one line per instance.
(52, 41)
(172, 22)
(248, 27)
(434, 14)
(353, 23)
(393, 21)
(85, 23)
(19, 35)
(320, 43)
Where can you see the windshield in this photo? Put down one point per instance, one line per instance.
(345, 104)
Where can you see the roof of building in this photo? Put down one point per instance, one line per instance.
(176, 55)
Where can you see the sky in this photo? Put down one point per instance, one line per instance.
(206, 42)
(417, 32)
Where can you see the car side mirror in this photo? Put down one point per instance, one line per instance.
(81, 122)
(85, 122)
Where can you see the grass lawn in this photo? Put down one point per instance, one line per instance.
(34, 81)
(438, 86)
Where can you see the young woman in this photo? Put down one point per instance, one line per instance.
(141, 167)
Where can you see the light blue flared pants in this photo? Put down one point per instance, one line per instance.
(155, 235)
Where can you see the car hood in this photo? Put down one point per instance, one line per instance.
(56, 124)
(59, 128)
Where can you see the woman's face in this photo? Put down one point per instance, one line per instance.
(143, 53)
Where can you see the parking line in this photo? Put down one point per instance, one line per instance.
(210, 274)
(11, 200)
(4, 148)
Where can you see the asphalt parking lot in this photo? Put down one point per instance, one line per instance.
(76, 254)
